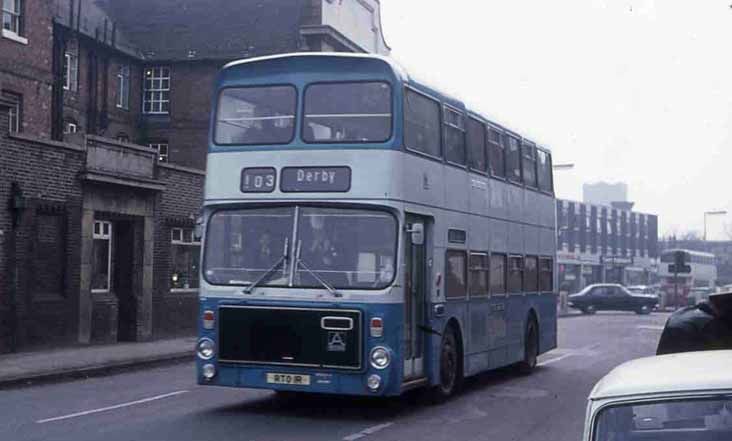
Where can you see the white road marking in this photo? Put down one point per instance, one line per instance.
(116, 406)
(366, 432)
(554, 360)
(655, 328)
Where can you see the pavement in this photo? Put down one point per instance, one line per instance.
(30, 367)
(164, 402)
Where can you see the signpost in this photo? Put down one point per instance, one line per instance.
(679, 267)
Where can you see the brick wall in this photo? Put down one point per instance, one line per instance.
(39, 298)
(26, 69)
(186, 128)
(178, 206)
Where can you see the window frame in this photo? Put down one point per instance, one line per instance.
(492, 275)
(17, 16)
(71, 127)
(466, 289)
(510, 269)
(182, 242)
(145, 90)
(124, 73)
(551, 271)
(321, 83)
(435, 100)
(500, 131)
(445, 126)
(101, 235)
(157, 146)
(71, 68)
(15, 111)
(486, 269)
(484, 131)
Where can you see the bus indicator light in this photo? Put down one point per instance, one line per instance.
(208, 320)
(377, 327)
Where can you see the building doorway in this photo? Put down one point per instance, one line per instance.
(124, 279)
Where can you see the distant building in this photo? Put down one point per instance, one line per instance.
(601, 243)
(104, 114)
(603, 193)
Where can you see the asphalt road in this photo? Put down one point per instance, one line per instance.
(165, 404)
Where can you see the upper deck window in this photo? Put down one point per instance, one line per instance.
(544, 171)
(421, 123)
(454, 136)
(513, 158)
(528, 151)
(347, 112)
(497, 154)
(256, 115)
(476, 145)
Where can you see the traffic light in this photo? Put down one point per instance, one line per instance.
(680, 263)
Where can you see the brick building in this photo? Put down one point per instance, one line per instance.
(104, 111)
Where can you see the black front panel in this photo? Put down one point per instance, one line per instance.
(289, 336)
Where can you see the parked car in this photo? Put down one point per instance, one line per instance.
(685, 396)
(611, 297)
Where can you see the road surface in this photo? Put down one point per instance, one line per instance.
(165, 403)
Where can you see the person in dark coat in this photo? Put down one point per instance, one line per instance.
(702, 327)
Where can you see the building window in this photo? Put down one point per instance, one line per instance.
(479, 269)
(70, 126)
(454, 136)
(102, 252)
(123, 87)
(498, 274)
(185, 255)
(531, 274)
(71, 69)
(546, 275)
(12, 16)
(455, 274)
(122, 137)
(162, 148)
(15, 111)
(515, 274)
(156, 96)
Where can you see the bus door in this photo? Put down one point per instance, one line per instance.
(415, 296)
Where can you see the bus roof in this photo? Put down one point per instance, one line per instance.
(690, 252)
(400, 73)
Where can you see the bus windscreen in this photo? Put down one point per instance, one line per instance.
(256, 115)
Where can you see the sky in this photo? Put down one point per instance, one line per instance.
(638, 91)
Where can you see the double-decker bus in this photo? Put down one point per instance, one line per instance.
(683, 288)
(365, 234)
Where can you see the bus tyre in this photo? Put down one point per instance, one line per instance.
(450, 374)
(531, 348)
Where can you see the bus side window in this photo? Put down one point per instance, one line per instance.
(455, 274)
(497, 154)
(515, 274)
(528, 153)
(513, 158)
(544, 171)
(476, 146)
(498, 274)
(422, 123)
(454, 136)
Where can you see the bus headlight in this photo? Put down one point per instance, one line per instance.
(205, 349)
(208, 371)
(373, 382)
(380, 358)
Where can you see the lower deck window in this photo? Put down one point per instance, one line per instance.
(531, 274)
(479, 282)
(515, 274)
(546, 275)
(455, 274)
(498, 274)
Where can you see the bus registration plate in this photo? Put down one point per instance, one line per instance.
(291, 379)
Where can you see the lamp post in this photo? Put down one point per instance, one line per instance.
(711, 213)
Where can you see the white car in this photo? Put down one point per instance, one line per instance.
(678, 397)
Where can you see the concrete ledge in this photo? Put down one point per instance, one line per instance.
(180, 168)
(47, 142)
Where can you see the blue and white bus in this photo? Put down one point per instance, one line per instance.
(365, 234)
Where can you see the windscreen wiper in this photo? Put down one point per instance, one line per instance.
(263, 277)
(299, 263)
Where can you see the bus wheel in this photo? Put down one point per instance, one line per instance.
(531, 348)
(449, 368)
